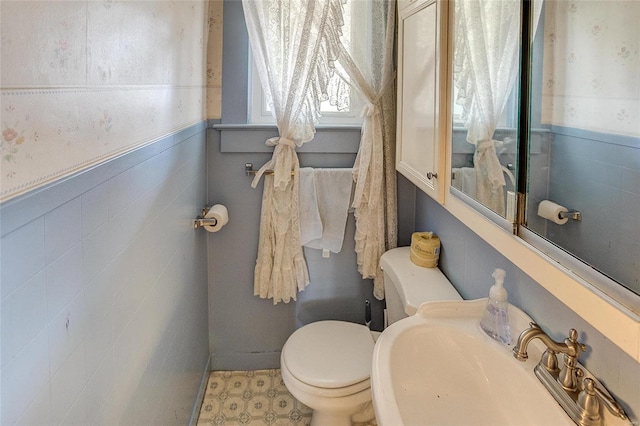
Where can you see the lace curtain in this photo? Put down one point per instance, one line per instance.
(366, 64)
(294, 44)
(487, 36)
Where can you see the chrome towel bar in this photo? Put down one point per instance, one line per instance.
(249, 170)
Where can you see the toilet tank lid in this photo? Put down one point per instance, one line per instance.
(415, 284)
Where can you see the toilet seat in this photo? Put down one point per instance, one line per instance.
(334, 356)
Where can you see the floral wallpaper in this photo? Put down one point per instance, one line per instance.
(591, 69)
(83, 81)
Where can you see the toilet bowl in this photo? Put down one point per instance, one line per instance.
(326, 365)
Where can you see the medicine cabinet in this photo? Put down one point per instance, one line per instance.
(421, 127)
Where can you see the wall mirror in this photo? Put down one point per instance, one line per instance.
(579, 149)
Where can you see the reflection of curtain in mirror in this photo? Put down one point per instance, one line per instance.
(485, 70)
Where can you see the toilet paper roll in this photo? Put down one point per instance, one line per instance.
(425, 249)
(220, 213)
(551, 211)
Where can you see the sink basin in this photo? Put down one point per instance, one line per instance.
(439, 368)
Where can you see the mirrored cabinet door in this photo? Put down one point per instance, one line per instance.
(485, 62)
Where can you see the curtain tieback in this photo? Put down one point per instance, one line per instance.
(279, 140)
(486, 144)
(282, 169)
(369, 110)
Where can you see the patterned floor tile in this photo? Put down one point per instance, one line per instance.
(251, 398)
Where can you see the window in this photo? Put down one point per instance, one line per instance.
(351, 103)
(259, 112)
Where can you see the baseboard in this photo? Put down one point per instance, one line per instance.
(245, 361)
(197, 405)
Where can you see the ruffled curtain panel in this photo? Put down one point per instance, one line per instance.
(293, 44)
(366, 63)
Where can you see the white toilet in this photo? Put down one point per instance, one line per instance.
(327, 364)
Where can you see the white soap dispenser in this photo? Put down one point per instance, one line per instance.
(495, 321)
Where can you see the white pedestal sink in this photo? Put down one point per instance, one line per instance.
(439, 368)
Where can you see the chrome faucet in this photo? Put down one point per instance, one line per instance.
(572, 349)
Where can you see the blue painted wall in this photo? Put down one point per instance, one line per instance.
(247, 332)
(103, 296)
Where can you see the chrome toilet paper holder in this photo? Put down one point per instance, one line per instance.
(571, 214)
(202, 221)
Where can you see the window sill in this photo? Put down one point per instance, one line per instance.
(250, 138)
(273, 127)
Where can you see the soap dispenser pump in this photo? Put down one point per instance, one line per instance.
(495, 321)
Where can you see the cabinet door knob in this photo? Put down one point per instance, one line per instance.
(432, 175)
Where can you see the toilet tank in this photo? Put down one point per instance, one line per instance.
(407, 285)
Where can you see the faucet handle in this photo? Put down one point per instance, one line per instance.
(573, 344)
(589, 403)
(591, 397)
(573, 334)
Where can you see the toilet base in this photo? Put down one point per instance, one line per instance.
(365, 414)
(327, 418)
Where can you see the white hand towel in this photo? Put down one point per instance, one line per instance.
(465, 180)
(310, 222)
(333, 192)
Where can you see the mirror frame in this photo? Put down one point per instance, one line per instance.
(617, 322)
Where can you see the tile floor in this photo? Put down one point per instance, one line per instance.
(252, 398)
